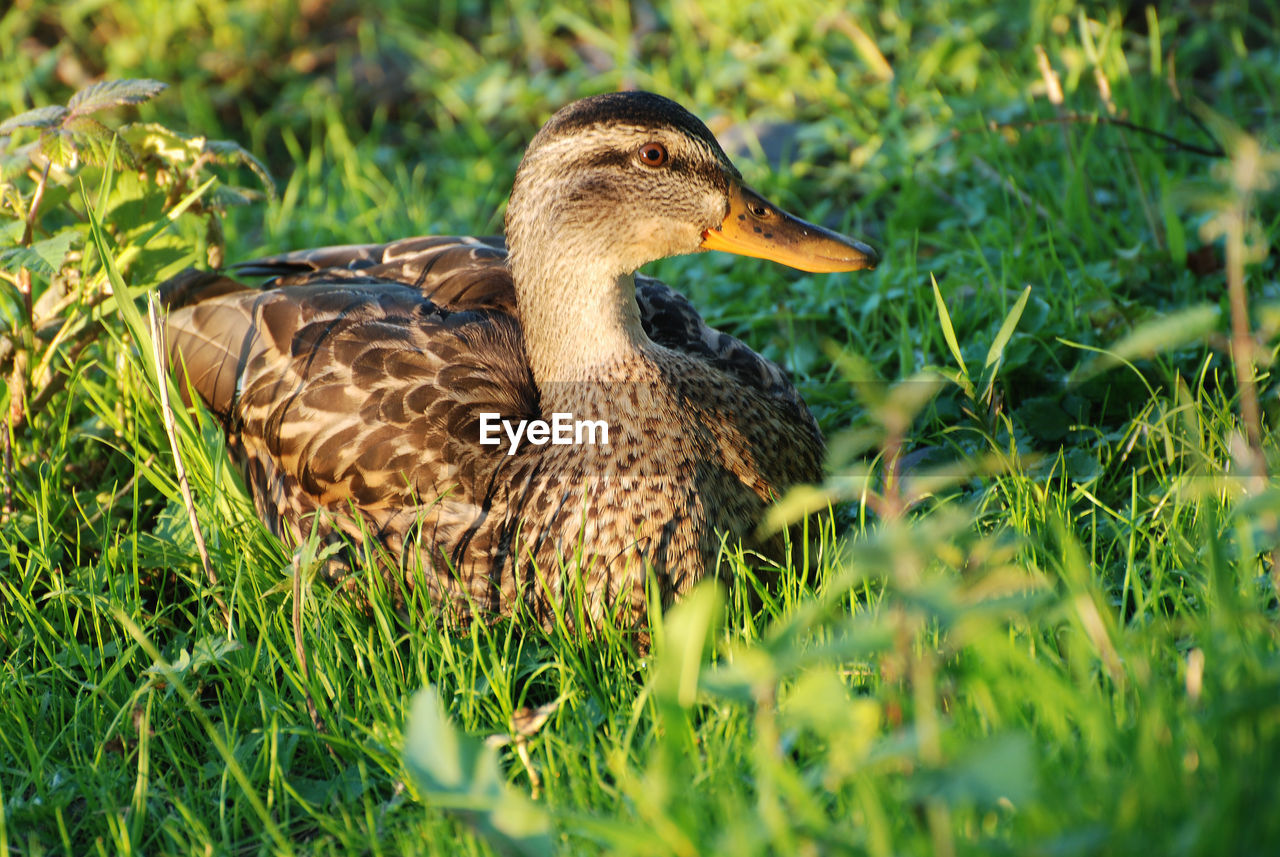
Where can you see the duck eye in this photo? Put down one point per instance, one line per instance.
(652, 154)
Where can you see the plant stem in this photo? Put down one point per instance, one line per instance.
(1243, 346)
(29, 232)
(8, 471)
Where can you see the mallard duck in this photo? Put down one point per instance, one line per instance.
(377, 392)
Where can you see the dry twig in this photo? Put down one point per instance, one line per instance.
(300, 651)
(170, 428)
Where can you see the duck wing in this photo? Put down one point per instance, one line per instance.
(356, 395)
(455, 273)
(471, 273)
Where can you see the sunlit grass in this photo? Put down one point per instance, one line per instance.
(1064, 643)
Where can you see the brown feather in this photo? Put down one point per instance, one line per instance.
(353, 386)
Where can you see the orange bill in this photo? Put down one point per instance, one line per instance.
(756, 227)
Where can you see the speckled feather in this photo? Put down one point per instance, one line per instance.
(352, 387)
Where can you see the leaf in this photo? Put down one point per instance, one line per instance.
(43, 257)
(687, 631)
(1045, 418)
(59, 147)
(86, 129)
(948, 332)
(1083, 466)
(11, 232)
(990, 771)
(461, 775)
(173, 147)
(1006, 329)
(231, 152)
(1174, 231)
(152, 138)
(41, 117)
(206, 652)
(225, 196)
(113, 93)
(820, 703)
(789, 646)
(16, 161)
(799, 502)
(94, 142)
(53, 250)
(991, 366)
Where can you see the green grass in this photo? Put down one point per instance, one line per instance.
(1054, 633)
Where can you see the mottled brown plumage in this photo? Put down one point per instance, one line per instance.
(353, 384)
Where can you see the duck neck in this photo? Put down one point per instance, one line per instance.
(580, 319)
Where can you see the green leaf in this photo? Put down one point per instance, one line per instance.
(59, 147)
(820, 703)
(1083, 466)
(152, 138)
(991, 366)
(687, 632)
(948, 332)
(461, 775)
(231, 152)
(94, 142)
(173, 147)
(43, 257)
(16, 161)
(206, 652)
(996, 351)
(999, 768)
(41, 117)
(225, 196)
(119, 291)
(113, 93)
(11, 232)
(53, 250)
(87, 129)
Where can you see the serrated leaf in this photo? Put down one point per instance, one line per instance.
(40, 117)
(59, 147)
(16, 161)
(94, 142)
(113, 93)
(11, 232)
(170, 146)
(188, 665)
(53, 250)
(88, 129)
(22, 257)
(231, 152)
(11, 200)
(43, 257)
(225, 196)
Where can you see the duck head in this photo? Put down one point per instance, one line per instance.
(635, 177)
(613, 182)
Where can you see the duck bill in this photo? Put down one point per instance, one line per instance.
(756, 227)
